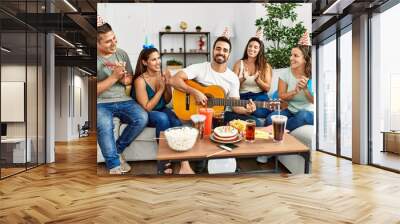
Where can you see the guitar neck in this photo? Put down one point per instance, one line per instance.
(237, 103)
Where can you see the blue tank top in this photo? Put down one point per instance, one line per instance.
(150, 94)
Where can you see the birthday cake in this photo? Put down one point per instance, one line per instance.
(225, 133)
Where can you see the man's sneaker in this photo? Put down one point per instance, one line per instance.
(116, 170)
(124, 165)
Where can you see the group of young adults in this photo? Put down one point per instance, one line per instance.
(152, 91)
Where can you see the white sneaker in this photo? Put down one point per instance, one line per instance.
(262, 159)
(116, 170)
(125, 167)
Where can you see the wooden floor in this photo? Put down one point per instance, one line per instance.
(5, 172)
(386, 159)
(69, 191)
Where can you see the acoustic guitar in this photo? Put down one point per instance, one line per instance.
(185, 105)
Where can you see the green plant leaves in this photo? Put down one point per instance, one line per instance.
(173, 62)
(282, 37)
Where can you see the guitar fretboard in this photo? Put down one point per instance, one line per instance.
(240, 103)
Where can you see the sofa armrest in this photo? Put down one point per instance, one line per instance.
(295, 163)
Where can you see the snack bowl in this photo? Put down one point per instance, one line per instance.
(240, 125)
(181, 138)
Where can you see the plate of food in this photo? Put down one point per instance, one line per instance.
(224, 132)
(236, 139)
(238, 124)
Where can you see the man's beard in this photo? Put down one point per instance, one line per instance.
(218, 60)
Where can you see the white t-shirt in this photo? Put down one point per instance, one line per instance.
(204, 74)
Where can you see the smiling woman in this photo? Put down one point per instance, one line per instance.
(149, 79)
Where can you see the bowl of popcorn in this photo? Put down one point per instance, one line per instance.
(181, 138)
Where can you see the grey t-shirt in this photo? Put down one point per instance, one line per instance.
(116, 92)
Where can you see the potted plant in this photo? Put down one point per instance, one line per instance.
(174, 64)
(168, 28)
(198, 28)
(283, 37)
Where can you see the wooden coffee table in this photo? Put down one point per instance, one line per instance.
(207, 149)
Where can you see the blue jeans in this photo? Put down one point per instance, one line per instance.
(163, 119)
(130, 113)
(295, 120)
(262, 96)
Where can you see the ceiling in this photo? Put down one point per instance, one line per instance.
(76, 23)
(77, 26)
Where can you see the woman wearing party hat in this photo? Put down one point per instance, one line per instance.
(254, 74)
(294, 87)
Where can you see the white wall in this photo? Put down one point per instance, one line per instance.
(33, 127)
(132, 22)
(16, 73)
(69, 82)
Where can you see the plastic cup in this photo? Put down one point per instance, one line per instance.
(208, 112)
(198, 121)
(278, 127)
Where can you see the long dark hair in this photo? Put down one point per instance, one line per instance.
(306, 51)
(143, 56)
(261, 61)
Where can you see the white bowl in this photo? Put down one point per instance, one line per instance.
(181, 138)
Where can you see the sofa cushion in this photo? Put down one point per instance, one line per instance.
(304, 134)
(295, 163)
(144, 147)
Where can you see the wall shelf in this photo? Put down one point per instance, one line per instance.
(185, 52)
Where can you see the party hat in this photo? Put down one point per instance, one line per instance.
(226, 33)
(305, 40)
(146, 44)
(100, 21)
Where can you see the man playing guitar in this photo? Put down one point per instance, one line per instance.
(215, 73)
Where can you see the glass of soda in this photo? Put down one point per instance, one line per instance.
(250, 131)
(278, 126)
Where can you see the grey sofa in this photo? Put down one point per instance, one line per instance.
(295, 163)
(143, 148)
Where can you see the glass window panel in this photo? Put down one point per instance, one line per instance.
(327, 96)
(13, 84)
(346, 93)
(385, 86)
(31, 97)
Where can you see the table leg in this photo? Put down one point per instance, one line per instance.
(306, 156)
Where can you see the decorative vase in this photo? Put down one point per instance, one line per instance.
(183, 25)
